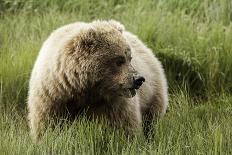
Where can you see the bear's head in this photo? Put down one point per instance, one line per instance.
(104, 60)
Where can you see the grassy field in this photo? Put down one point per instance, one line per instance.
(192, 38)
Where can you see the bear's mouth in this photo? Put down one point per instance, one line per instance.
(132, 92)
(129, 92)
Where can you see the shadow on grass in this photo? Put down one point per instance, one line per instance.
(183, 74)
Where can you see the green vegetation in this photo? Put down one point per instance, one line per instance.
(193, 40)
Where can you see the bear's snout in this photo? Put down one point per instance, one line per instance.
(138, 81)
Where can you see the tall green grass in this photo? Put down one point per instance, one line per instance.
(191, 38)
(186, 129)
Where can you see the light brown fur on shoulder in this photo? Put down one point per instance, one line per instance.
(98, 67)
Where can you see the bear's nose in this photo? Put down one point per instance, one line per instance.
(138, 81)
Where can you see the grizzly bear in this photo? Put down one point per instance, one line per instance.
(101, 68)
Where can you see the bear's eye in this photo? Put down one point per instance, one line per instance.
(120, 61)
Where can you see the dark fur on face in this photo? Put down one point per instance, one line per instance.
(110, 61)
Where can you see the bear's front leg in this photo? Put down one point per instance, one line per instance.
(37, 118)
(41, 115)
(126, 115)
(120, 114)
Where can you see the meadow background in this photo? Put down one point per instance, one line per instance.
(192, 38)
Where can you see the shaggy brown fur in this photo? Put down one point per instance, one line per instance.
(92, 66)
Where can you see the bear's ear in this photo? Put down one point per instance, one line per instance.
(117, 25)
(88, 40)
